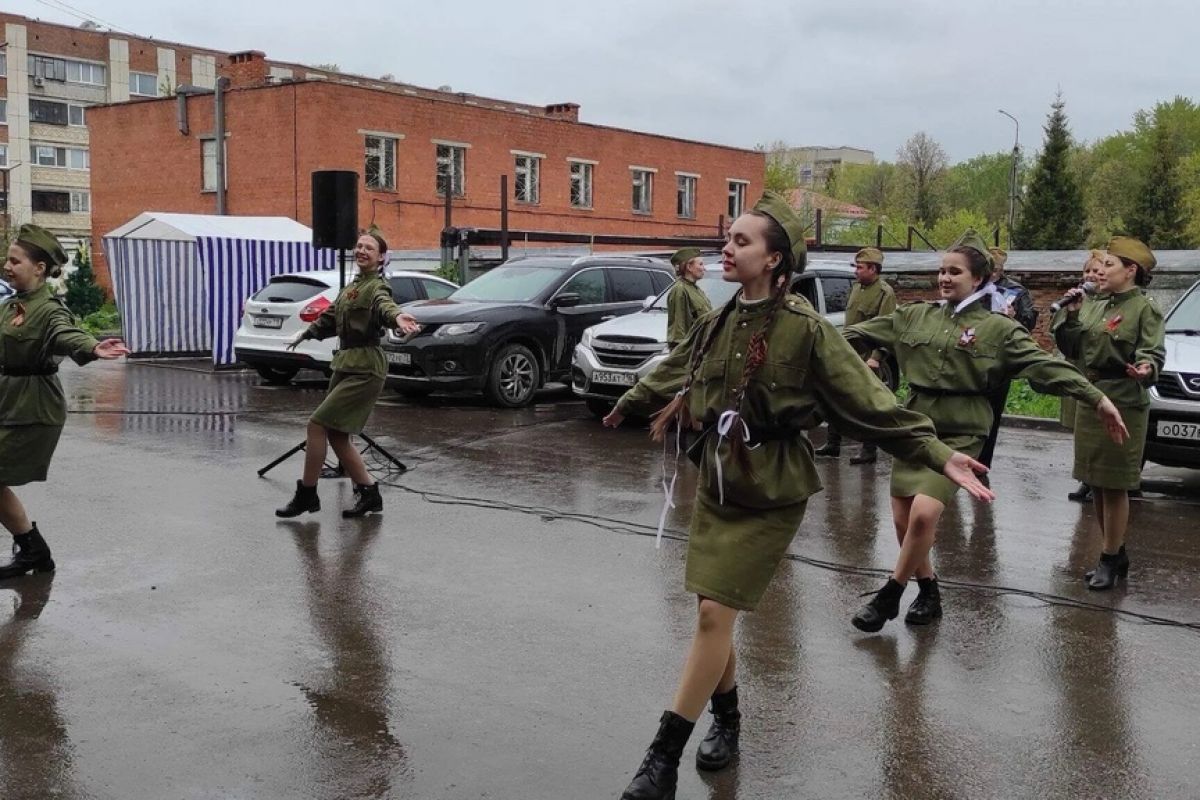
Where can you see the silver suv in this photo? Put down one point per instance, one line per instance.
(614, 355)
(1173, 437)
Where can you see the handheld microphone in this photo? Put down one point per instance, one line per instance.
(1088, 288)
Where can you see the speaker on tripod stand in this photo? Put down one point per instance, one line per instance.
(335, 227)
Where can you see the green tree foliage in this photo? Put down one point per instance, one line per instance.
(923, 165)
(84, 296)
(951, 226)
(980, 185)
(783, 168)
(1053, 215)
(1157, 216)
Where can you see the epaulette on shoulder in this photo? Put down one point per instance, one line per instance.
(797, 304)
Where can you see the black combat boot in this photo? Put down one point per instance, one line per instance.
(659, 772)
(867, 454)
(1081, 495)
(720, 745)
(1109, 571)
(305, 499)
(928, 605)
(879, 609)
(366, 500)
(30, 554)
(833, 444)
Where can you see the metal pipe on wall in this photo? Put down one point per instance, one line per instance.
(219, 124)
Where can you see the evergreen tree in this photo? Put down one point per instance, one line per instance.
(1052, 217)
(84, 296)
(1157, 217)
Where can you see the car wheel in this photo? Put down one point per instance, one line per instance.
(514, 376)
(277, 376)
(888, 374)
(600, 408)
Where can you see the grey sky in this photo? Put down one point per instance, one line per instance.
(866, 74)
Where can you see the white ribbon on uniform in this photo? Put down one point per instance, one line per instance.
(669, 487)
(726, 423)
(998, 300)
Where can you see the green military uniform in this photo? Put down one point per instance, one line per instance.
(686, 303)
(1107, 333)
(36, 331)
(358, 317)
(952, 362)
(869, 302)
(810, 372)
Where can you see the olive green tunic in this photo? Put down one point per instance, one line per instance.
(358, 317)
(1106, 334)
(809, 372)
(952, 363)
(869, 302)
(33, 408)
(686, 303)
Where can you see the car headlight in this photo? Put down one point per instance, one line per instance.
(458, 329)
(586, 339)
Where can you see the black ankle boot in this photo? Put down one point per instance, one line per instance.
(928, 605)
(366, 500)
(1081, 495)
(879, 609)
(305, 499)
(720, 745)
(659, 772)
(30, 554)
(1109, 571)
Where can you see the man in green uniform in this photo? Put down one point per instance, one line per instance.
(685, 302)
(870, 298)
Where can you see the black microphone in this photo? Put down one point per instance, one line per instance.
(1088, 288)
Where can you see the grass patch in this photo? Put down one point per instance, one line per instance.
(1022, 400)
(106, 320)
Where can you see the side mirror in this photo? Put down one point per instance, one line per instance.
(565, 300)
(649, 301)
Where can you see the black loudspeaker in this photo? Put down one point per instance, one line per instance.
(335, 209)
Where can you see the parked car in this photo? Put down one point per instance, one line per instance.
(614, 355)
(1173, 435)
(513, 329)
(277, 312)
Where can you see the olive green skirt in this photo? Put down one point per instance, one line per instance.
(1101, 462)
(733, 551)
(25, 452)
(909, 479)
(350, 401)
(1066, 413)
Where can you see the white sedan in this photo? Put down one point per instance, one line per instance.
(274, 315)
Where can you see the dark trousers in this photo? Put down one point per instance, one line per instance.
(996, 401)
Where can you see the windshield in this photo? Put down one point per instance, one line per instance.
(509, 284)
(1186, 315)
(717, 290)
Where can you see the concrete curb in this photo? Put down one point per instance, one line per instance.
(1034, 423)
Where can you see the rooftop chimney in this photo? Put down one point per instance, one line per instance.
(248, 68)
(567, 111)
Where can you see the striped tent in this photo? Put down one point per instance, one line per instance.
(180, 279)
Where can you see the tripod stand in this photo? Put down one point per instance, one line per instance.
(371, 443)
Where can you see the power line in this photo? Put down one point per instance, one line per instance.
(79, 13)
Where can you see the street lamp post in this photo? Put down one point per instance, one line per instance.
(1012, 175)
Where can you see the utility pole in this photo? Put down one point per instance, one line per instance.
(1012, 175)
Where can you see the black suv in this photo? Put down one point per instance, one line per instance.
(514, 328)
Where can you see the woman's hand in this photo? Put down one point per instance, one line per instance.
(110, 349)
(961, 469)
(1076, 294)
(406, 323)
(873, 364)
(1140, 371)
(1113, 423)
(300, 337)
(613, 419)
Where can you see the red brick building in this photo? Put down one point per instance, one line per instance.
(408, 145)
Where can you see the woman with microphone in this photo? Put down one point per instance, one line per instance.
(1117, 338)
(1091, 275)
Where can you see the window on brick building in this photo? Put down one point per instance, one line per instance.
(81, 202)
(76, 116)
(737, 199)
(51, 202)
(581, 184)
(643, 190)
(44, 155)
(528, 177)
(3, 65)
(685, 195)
(85, 72)
(208, 165)
(48, 69)
(451, 169)
(47, 112)
(380, 166)
(3, 155)
(3, 110)
(143, 84)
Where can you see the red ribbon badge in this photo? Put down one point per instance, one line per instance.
(967, 339)
(1114, 323)
(352, 294)
(19, 317)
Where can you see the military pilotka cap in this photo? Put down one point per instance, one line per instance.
(869, 255)
(1128, 247)
(685, 254)
(778, 209)
(999, 256)
(971, 239)
(44, 240)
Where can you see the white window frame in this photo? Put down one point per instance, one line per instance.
(58, 157)
(87, 73)
(453, 163)
(585, 179)
(71, 109)
(3, 110)
(383, 148)
(529, 167)
(685, 194)
(81, 201)
(737, 197)
(642, 199)
(3, 64)
(137, 78)
(81, 153)
(4, 154)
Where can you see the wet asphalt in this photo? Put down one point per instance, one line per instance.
(506, 629)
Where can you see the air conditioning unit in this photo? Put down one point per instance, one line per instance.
(38, 80)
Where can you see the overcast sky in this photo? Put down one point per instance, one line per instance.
(866, 74)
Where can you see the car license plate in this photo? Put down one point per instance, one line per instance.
(614, 378)
(403, 359)
(1178, 430)
(268, 322)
